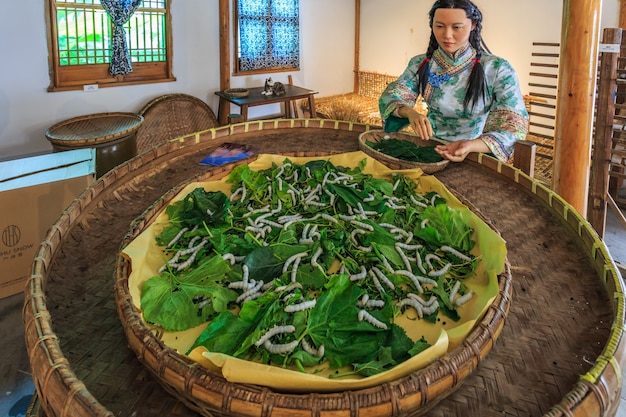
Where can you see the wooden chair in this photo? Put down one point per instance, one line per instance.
(171, 116)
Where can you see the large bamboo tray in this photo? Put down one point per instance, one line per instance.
(207, 392)
(560, 353)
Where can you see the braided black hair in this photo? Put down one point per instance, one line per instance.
(476, 88)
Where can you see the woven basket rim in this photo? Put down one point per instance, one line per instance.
(126, 122)
(428, 168)
(455, 366)
(237, 92)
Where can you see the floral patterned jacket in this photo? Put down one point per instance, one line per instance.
(499, 121)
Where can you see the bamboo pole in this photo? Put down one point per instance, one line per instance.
(575, 101)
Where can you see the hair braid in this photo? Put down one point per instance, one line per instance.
(422, 71)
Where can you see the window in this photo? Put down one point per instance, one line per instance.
(267, 35)
(81, 38)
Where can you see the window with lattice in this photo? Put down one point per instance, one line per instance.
(81, 36)
(267, 36)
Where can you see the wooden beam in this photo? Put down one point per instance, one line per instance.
(575, 100)
(622, 14)
(524, 157)
(603, 142)
(224, 12)
(357, 42)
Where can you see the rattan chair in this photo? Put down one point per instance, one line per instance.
(171, 116)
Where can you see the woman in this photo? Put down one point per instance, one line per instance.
(474, 99)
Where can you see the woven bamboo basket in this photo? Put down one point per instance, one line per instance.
(561, 352)
(210, 394)
(395, 163)
(93, 129)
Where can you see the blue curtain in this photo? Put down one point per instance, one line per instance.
(120, 12)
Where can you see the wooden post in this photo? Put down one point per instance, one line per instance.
(603, 142)
(575, 100)
(524, 159)
(224, 22)
(357, 41)
(622, 14)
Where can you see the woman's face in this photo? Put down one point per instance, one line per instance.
(452, 29)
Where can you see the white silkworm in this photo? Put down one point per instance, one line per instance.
(431, 257)
(249, 292)
(388, 226)
(454, 290)
(273, 332)
(407, 264)
(315, 203)
(413, 278)
(363, 225)
(374, 304)
(456, 253)
(395, 184)
(383, 277)
(394, 206)
(464, 298)
(361, 275)
(364, 212)
(377, 284)
(330, 218)
(245, 273)
(177, 237)
(240, 285)
(305, 305)
(331, 195)
(418, 261)
(364, 315)
(306, 346)
(369, 198)
(229, 257)
(294, 269)
(316, 256)
(440, 272)
(272, 223)
(423, 223)
(288, 288)
(406, 246)
(412, 303)
(292, 259)
(294, 199)
(347, 218)
(417, 203)
(386, 264)
(356, 232)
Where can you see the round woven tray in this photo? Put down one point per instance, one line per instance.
(93, 129)
(560, 353)
(395, 163)
(237, 92)
(210, 394)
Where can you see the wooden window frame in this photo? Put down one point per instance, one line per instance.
(75, 77)
(236, 70)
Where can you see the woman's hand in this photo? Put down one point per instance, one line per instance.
(420, 123)
(457, 151)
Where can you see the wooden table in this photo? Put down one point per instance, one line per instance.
(255, 98)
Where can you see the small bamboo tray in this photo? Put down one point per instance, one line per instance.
(237, 92)
(395, 163)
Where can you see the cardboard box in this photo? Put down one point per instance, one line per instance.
(34, 192)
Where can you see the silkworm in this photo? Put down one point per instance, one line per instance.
(356, 232)
(454, 290)
(418, 261)
(330, 218)
(273, 332)
(311, 350)
(279, 207)
(417, 203)
(369, 198)
(412, 303)
(383, 277)
(305, 305)
(361, 275)
(177, 237)
(331, 195)
(394, 206)
(377, 284)
(192, 257)
(413, 278)
(249, 292)
(294, 269)
(464, 298)
(364, 212)
(315, 257)
(245, 273)
(407, 264)
(386, 264)
(406, 246)
(288, 288)
(395, 184)
(388, 226)
(285, 219)
(240, 285)
(430, 257)
(347, 218)
(440, 272)
(272, 223)
(456, 253)
(291, 259)
(294, 199)
(229, 257)
(432, 200)
(315, 203)
(364, 315)
(423, 223)
(363, 225)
